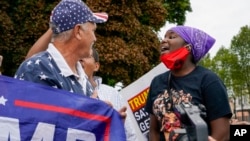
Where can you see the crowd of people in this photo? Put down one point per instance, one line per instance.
(64, 58)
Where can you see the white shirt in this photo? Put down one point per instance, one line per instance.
(108, 93)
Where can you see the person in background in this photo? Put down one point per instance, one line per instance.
(93, 86)
(105, 92)
(181, 50)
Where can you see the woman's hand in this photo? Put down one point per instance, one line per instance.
(211, 138)
(123, 113)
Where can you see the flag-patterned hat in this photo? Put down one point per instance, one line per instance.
(69, 13)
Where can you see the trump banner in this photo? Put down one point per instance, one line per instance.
(33, 112)
(135, 96)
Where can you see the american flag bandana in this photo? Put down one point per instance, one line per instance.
(69, 13)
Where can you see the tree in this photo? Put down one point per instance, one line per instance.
(127, 43)
(206, 61)
(240, 46)
(22, 22)
(233, 64)
(176, 10)
(226, 67)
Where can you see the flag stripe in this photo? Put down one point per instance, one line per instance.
(58, 109)
(72, 111)
(103, 16)
(68, 111)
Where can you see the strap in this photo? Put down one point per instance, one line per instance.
(169, 90)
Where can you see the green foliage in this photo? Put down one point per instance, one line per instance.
(233, 64)
(226, 62)
(206, 62)
(177, 10)
(240, 47)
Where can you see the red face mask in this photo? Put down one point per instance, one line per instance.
(174, 60)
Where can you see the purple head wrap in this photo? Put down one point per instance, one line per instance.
(201, 42)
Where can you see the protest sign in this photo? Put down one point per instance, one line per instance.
(135, 96)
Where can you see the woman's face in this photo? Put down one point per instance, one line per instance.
(171, 42)
(89, 64)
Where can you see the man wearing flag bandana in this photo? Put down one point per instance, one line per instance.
(181, 50)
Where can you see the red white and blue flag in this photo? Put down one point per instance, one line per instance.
(33, 112)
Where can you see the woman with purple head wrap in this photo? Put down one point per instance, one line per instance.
(181, 50)
(200, 41)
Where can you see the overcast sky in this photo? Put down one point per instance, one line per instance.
(222, 19)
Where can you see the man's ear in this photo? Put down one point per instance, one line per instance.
(78, 31)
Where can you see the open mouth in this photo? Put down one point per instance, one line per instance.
(164, 49)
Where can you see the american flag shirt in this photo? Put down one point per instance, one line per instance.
(50, 68)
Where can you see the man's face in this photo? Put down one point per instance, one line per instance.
(88, 38)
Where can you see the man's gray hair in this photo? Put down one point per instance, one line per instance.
(64, 36)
